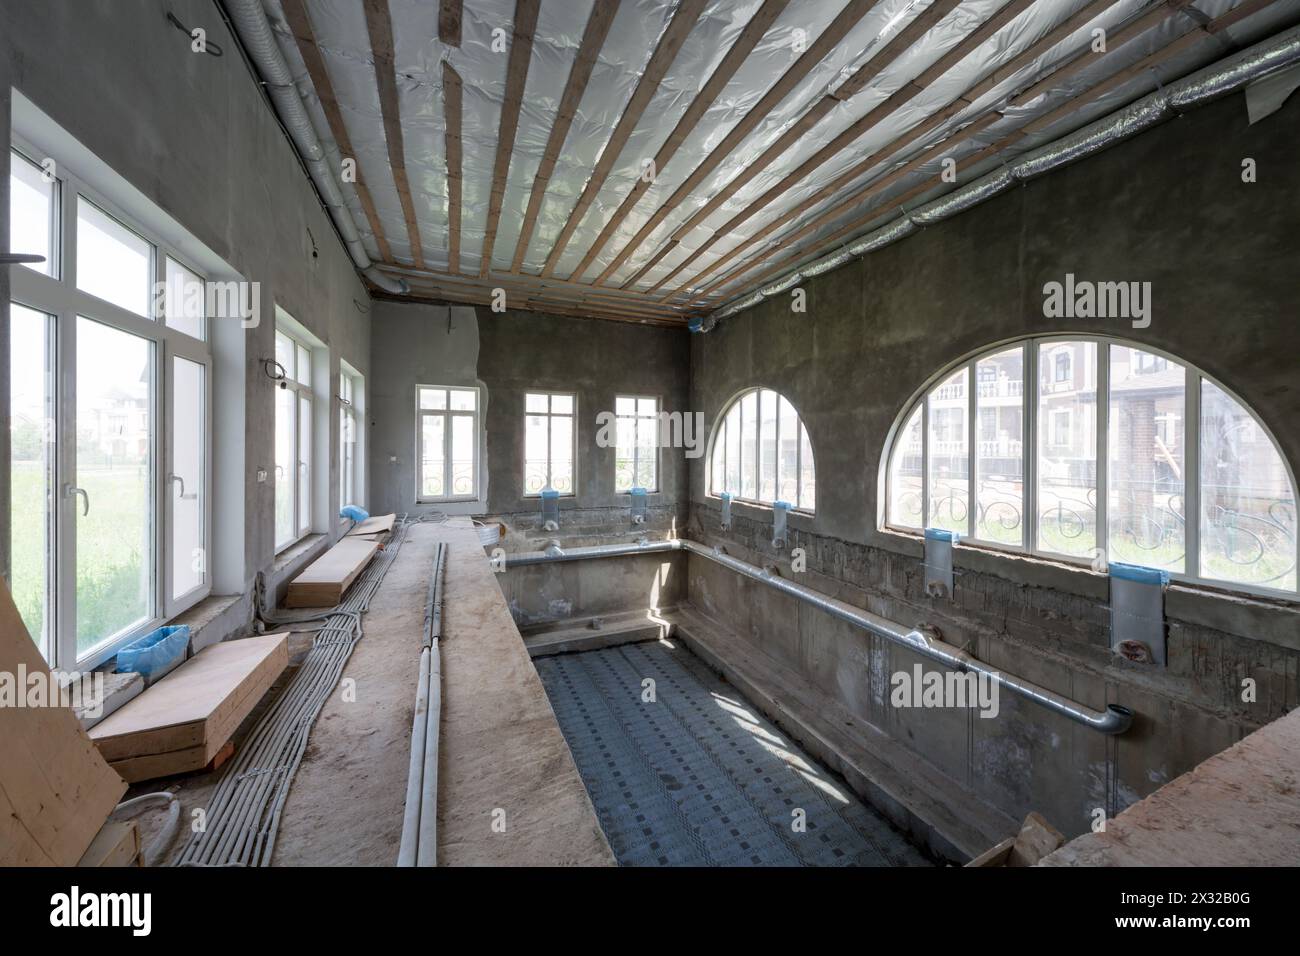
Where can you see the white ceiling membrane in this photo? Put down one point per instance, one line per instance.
(975, 83)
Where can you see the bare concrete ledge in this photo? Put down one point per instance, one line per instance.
(1239, 808)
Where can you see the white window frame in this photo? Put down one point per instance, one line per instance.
(304, 473)
(58, 296)
(800, 427)
(638, 421)
(1033, 348)
(447, 414)
(573, 433)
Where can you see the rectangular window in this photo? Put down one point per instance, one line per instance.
(636, 459)
(110, 534)
(1067, 455)
(293, 441)
(447, 436)
(33, 212)
(549, 442)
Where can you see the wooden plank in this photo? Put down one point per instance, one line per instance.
(452, 108)
(593, 38)
(465, 296)
(324, 582)
(295, 13)
(451, 15)
(379, 26)
(195, 709)
(522, 286)
(375, 524)
(754, 31)
(825, 43)
(55, 789)
(521, 52)
(670, 42)
(116, 844)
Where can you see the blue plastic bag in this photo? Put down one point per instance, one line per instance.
(154, 652)
(356, 514)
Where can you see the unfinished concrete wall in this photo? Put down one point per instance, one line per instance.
(508, 354)
(195, 134)
(1168, 207)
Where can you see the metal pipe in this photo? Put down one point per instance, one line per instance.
(1113, 720)
(1202, 87)
(255, 35)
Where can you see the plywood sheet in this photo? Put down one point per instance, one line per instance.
(323, 582)
(116, 844)
(55, 789)
(189, 715)
(375, 524)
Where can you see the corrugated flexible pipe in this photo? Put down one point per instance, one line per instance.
(259, 42)
(1112, 721)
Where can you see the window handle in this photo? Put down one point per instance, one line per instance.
(184, 496)
(70, 490)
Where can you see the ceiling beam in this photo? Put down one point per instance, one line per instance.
(670, 42)
(593, 38)
(521, 53)
(826, 42)
(754, 31)
(452, 93)
(451, 15)
(380, 27)
(295, 13)
(437, 293)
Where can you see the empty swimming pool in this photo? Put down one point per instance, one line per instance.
(683, 771)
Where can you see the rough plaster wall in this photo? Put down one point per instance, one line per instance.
(508, 354)
(195, 135)
(1168, 207)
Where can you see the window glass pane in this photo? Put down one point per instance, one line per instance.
(624, 405)
(718, 461)
(432, 456)
(463, 399)
(733, 444)
(113, 263)
(535, 448)
(304, 464)
(347, 449)
(32, 210)
(562, 453)
(1144, 476)
(114, 461)
(1067, 447)
(1248, 508)
(303, 371)
(647, 454)
(999, 448)
(787, 458)
(31, 471)
(463, 472)
(286, 443)
(807, 472)
(536, 403)
(433, 398)
(749, 446)
(186, 491)
(767, 437)
(626, 448)
(948, 454)
(647, 406)
(905, 474)
(563, 404)
(284, 354)
(185, 300)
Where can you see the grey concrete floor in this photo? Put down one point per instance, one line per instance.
(683, 771)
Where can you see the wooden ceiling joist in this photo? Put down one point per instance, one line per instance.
(452, 107)
(463, 295)
(1075, 103)
(380, 27)
(451, 15)
(825, 43)
(670, 42)
(754, 31)
(521, 53)
(295, 13)
(593, 38)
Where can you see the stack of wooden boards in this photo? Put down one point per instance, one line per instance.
(55, 789)
(182, 722)
(324, 582)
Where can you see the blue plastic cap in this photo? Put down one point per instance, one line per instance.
(726, 496)
(785, 505)
(638, 491)
(550, 493)
(1138, 573)
(942, 534)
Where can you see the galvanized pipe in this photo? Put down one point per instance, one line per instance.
(1112, 721)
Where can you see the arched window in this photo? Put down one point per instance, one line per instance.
(761, 452)
(1110, 451)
